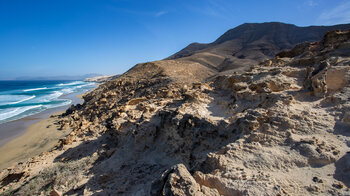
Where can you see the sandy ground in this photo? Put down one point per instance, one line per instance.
(38, 138)
(30, 136)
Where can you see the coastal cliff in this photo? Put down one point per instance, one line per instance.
(100, 79)
(172, 127)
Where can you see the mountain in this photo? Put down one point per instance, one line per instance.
(249, 43)
(78, 77)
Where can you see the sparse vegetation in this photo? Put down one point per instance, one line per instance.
(61, 176)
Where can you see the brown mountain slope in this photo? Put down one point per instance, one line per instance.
(249, 43)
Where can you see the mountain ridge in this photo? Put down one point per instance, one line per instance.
(249, 43)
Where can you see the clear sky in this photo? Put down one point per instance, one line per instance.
(74, 37)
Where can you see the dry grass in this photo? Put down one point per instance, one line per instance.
(61, 176)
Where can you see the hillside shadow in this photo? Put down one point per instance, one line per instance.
(141, 157)
(342, 171)
(304, 96)
(341, 129)
(85, 149)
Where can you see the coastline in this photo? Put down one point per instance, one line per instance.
(27, 137)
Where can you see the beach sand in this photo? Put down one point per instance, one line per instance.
(30, 136)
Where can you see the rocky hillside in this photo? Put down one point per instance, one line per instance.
(281, 128)
(249, 43)
(100, 79)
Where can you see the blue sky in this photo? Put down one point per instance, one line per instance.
(73, 37)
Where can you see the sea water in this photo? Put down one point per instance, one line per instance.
(19, 99)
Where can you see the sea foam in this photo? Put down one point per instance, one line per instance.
(9, 113)
(32, 98)
(14, 99)
(35, 89)
(71, 83)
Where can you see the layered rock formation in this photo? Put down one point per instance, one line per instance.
(281, 128)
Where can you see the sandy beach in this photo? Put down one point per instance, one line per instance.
(30, 136)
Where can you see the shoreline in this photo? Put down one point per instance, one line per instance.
(27, 137)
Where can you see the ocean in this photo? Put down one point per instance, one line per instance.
(19, 99)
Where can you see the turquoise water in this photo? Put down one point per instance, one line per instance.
(19, 99)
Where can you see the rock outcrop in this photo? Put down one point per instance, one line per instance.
(281, 128)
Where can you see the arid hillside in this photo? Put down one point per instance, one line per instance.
(248, 44)
(280, 128)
